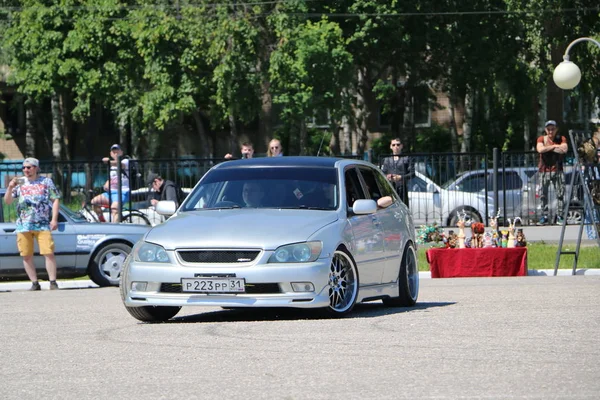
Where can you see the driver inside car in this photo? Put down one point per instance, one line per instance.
(253, 194)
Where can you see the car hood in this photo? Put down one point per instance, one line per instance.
(252, 228)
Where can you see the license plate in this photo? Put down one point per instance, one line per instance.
(213, 285)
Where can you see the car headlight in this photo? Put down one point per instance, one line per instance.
(297, 253)
(149, 252)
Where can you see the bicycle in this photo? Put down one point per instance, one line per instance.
(129, 216)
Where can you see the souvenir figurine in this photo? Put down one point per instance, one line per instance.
(461, 229)
(521, 242)
(504, 240)
(487, 239)
(477, 230)
(511, 232)
(494, 229)
(452, 240)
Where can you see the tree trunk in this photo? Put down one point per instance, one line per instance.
(468, 121)
(57, 129)
(303, 137)
(30, 131)
(452, 115)
(362, 113)
(526, 135)
(206, 149)
(233, 132)
(346, 146)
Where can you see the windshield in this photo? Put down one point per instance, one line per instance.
(75, 216)
(257, 187)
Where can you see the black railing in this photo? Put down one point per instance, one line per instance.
(450, 182)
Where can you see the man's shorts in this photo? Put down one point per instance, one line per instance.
(25, 242)
(114, 196)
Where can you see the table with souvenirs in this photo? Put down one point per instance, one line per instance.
(485, 253)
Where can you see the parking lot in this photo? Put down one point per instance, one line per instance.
(530, 337)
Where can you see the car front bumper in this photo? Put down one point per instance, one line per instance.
(278, 276)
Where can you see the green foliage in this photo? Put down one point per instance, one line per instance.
(155, 64)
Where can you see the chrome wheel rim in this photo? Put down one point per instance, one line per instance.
(412, 273)
(343, 286)
(112, 264)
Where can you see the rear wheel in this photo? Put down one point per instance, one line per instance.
(408, 281)
(343, 283)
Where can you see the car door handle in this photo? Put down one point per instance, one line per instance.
(9, 230)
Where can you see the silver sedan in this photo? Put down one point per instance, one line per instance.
(303, 232)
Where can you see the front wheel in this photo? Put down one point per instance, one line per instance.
(408, 281)
(152, 313)
(136, 218)
(106, 266)
(343, 283)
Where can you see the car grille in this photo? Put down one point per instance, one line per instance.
(218, 256)
(251, 288)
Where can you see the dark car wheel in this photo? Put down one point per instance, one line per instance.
(152, 314)
(343, 284)
(106, 266)
(408, 281)
(146, 313)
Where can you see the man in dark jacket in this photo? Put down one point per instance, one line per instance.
(163, 190)
(398, 169)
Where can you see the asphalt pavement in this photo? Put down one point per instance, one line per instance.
(548, 234)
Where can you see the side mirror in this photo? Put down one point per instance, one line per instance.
(166, 207)
(362, 207)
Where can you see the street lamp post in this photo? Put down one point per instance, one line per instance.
(567, 74)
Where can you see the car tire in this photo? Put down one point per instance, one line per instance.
(342, 284)
(145, 313)
(152, 313)
(471, 215)
(106, 266)
(408, 281)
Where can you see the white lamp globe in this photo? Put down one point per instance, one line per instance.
(567, 75)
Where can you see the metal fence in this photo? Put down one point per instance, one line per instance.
(445, 183)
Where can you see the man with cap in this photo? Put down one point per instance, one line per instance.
(38, 202)
(163, 190)
(110, 197)
(552, 148)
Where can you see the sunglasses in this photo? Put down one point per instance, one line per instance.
(396, 144)
(27, 166)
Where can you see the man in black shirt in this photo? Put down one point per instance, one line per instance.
(398, 169)
(163, 190)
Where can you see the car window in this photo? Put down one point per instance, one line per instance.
(353, 187)
(417, 184)
(507, 180)
(370, 180)
(472, 183)
(386, 189)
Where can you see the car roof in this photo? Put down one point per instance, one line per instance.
(290, 161)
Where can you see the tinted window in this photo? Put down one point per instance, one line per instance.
(510, 180)
(266, 188)
(472, 183)
(371, 182)
(353, 187)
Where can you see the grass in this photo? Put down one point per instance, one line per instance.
(542, 255)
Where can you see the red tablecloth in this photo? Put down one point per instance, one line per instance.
(493, 261)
